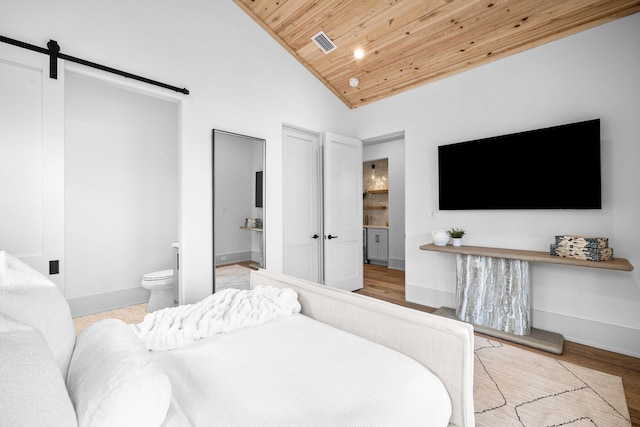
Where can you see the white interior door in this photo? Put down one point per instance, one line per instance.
(32, 159)
(301, 198)
(343, 212)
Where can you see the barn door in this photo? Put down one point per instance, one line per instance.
(32, 160)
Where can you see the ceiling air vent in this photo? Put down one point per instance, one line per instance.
(324, 42)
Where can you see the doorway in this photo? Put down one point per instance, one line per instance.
(375, 194)
(122, 185)
(387, 151)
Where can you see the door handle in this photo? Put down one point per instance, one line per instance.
(331, 237)
(315, 236)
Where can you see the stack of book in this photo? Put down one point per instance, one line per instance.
(581, 247)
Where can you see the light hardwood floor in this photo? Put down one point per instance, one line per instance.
(383, 283)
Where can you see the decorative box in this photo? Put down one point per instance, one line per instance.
(253, 222)
(590, 254)
(582, 241)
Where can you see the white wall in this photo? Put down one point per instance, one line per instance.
(121, 192)
(394, 151)
(239, 78)
(593, 74)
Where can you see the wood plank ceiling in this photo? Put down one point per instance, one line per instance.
(408, 43)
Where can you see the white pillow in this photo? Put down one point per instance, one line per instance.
(113, 381)
(32, 390)
(32, 299)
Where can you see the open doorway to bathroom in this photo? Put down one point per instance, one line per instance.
(122, 180)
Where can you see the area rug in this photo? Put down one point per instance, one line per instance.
(232, 276)
(515, 387)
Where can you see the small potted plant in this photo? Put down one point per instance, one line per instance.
(456, 235)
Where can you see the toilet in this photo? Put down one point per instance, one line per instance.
(160, 285)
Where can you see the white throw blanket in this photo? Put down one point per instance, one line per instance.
(223, 311)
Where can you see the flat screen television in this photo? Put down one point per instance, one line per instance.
(258, 189)
(552, 168)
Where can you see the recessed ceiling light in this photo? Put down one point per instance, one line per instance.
(353, 82)
(358, 53)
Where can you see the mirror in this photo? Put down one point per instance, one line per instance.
(238, 208)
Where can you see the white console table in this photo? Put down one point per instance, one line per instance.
(493, 291)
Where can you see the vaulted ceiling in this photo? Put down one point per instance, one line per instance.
(409, 43)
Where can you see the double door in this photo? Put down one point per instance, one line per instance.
(322, 208)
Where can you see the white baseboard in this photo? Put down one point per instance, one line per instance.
(231, 258)
(92, 304)
(396, 263)
(588, 332)
(430, 297)
(605, 336)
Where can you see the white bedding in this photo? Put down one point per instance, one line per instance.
(295, 371)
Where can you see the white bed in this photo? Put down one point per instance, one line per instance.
(336, 359)
(294, 371)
